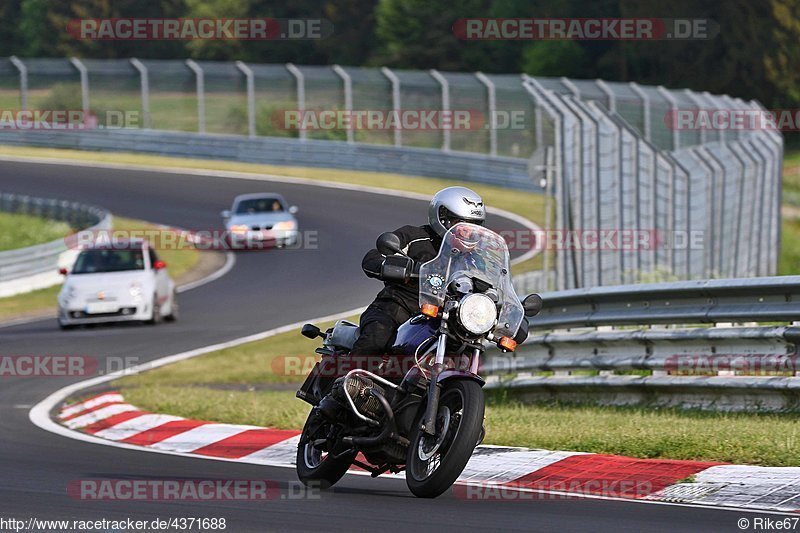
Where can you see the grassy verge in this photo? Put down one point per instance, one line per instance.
(528, 205)
(247, 384)
(21, 231)
(44, 300)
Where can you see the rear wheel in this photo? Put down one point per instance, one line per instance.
(316, 466)
(434, 462)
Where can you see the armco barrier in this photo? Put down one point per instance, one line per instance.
(462, 166)
(582, 346)
(35, 267)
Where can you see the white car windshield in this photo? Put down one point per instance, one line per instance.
(93, 261)
(259, 205)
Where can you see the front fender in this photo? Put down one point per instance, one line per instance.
(451, 374)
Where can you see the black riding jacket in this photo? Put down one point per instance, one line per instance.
(421, 244)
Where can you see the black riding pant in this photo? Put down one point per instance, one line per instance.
(379, 324)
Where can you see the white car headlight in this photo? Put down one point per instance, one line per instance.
(285, 225)
(68, 293)
(135, 289)
(477, 313)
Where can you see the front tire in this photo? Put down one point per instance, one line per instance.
(315, 467)
(156, 317)
(434, 462)
(174, 309)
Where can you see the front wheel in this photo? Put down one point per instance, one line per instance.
(434, 462)
(316, 467)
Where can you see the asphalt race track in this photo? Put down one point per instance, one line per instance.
(264, 290)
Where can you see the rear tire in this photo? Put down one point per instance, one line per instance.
(316, 468)
(434, 463)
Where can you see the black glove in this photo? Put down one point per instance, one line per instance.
(397, 268)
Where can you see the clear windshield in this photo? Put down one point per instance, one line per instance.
(478, 253)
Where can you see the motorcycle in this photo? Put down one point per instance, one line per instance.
(424, 414)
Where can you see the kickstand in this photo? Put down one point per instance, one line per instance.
(377, 471)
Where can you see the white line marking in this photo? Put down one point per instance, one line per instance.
(230, 261)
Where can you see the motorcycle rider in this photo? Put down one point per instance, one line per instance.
(399, 300)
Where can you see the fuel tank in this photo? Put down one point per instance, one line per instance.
(413, 333)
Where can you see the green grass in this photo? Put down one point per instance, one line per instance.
(20, 231)
(44, 300)
(763, 439)
(229, 386)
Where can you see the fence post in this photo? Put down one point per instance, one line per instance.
(673, 107)
(201, 95)
(347, 83)
(699, 103)
(84, 82)
(301, 93)
(612, 98)
(251, 97)
(571, 86)
(392, 77)
(645, 108)
(445, 106)
(491, 102)
(23, 81)
(145, 82)
(563, 260)
(549, 172)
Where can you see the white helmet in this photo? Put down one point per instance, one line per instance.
(453, 205)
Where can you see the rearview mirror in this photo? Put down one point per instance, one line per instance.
(388, 243)
(225, 213)
(293, 210)
(532, 304)
(158, 265)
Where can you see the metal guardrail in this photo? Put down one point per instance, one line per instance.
(25, 262)
(583, 347)
(462, 166)
(682, 302)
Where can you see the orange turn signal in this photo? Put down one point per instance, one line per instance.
(430, 310)
(508, 343)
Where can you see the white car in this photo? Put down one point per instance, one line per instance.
(123, 282)
(261, 220)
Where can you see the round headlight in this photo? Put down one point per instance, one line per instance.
(477, 313)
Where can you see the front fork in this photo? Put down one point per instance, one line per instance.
(434, 388)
